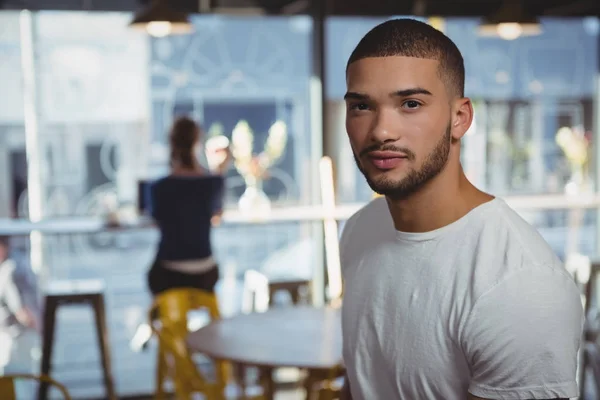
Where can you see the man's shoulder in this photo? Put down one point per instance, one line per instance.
(515, 236)
(374, 212)
(505, 246)
(370, 225)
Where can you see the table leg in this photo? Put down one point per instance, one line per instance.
(266, 377)
(239, 375)
(50, 309)
(102, 334)
(308, 385)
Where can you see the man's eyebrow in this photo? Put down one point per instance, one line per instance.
(398, 93)
(410, 92)
(355, 96)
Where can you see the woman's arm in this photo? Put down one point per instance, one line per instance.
(217, 217)
(223, 165)
(221, 170)
(219, 193)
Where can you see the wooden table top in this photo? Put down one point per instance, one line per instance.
(302, 337)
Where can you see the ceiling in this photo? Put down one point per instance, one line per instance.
(569, 8)
(454, 7)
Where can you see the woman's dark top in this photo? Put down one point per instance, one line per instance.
(183, 207)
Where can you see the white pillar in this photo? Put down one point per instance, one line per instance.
(32, 137)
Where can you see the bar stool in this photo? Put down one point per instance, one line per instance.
(90, 292)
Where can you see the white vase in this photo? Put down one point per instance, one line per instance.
(578, 184)
(254, 202)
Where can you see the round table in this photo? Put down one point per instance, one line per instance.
(301, 337)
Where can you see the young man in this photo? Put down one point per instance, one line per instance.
(449, 294)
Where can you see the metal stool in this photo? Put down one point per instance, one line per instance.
(60, 293)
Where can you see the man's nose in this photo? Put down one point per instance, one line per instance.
(385, 127)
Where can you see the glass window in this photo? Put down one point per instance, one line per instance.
(234, 70)
(533, 130)
(93, 109)
(524, 92)
(106, 98)
(13, 175)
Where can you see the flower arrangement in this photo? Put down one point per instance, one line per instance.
(217, 149)
(575, 145)
(254, 167)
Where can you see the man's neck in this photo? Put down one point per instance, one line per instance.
(440, 202)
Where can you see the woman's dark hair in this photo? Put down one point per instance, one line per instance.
(184, 135)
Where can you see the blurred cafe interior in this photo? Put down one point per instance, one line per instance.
(89, 90)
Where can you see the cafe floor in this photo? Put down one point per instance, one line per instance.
(289, 394)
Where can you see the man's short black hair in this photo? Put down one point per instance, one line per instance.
(412, 38)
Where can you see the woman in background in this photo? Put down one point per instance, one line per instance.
(185, 205)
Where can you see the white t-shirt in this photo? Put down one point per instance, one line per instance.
(481, 305)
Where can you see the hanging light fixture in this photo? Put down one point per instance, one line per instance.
(510, 22)
(159, 20)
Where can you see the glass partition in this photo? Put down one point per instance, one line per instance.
(534, 104)
(13, 175)
(236, 70)
(106, 97)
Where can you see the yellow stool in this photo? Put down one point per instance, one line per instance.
(8, 391)
(174, 360)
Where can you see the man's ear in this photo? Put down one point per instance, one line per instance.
(462, 117)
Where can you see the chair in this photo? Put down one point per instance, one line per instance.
(8, 390)
(324, 385)
(62, 293)
(329, 391)
(174, 360)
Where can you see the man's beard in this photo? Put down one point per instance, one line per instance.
(415, 179)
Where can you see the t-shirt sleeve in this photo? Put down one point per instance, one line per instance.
(522, 337)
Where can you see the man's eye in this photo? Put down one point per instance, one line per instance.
(411, 104)
(359, 106)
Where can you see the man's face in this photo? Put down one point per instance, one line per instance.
(398, 119)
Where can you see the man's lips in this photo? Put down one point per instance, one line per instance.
(386, 160)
